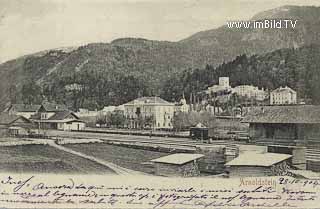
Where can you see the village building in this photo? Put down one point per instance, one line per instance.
(250, 91)
(177, 165)
(253, 164)
(53, 116)
(289, 129)
(83, 112)
(155, 109)
(24, 110)
(222, 88)
(283, 96)
(14, 125)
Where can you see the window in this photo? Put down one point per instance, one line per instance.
(44, 116)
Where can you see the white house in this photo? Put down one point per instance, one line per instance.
(156, 108)
(250, 91)
(223, 86)
(282, 95)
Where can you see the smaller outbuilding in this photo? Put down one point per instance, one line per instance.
(14, 125)
(177, 165)
(250, 164)
(199, 132)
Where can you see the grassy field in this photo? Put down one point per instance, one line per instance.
(45, 159)
(130, 158)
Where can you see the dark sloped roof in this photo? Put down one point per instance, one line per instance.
(59, 115)
(62, 115)
(24, 108)
(149, 100)
(51, 107)
(302, 114)
(7, 119)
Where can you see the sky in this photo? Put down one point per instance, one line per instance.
(28, 26)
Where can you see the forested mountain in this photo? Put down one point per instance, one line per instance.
(298, 68)
(113, 73)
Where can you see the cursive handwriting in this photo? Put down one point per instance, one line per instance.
(70, 191)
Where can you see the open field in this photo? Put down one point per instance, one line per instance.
(46, 159)
(135, 159)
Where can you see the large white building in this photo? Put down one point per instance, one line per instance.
(160, 110)
(221, 87)
(283, 95)
(250, 91)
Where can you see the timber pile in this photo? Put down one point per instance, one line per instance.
(213, 160)
(190, 170)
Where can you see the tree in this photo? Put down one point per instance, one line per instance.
(116, 119)
(101, 119)
(31, 93)
(180, 121)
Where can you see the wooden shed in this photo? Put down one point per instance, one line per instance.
(177, 165)
(296, 127)
(199, 132)
(252, 164)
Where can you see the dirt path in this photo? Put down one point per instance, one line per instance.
(117, 169)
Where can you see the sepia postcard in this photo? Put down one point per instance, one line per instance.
(160, 104)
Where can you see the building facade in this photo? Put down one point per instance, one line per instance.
(282, 96)
(52, 116)
(222, 88)
(151, 112)
(250, 91)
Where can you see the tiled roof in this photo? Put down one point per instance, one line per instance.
(24, 108)
(177, 159)
(149, 100)
(6, 119)
(302, 114)
(258, 159)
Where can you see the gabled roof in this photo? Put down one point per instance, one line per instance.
(177, 159)
(23, 108)
(6, 119)
(58, 116)
(149, 101)
(298, 114)
(283, 89)
(63, 115)
(51, 107)
(258, 159)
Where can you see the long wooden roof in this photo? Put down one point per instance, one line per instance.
(295, 114)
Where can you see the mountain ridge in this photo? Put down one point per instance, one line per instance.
(146, 63)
